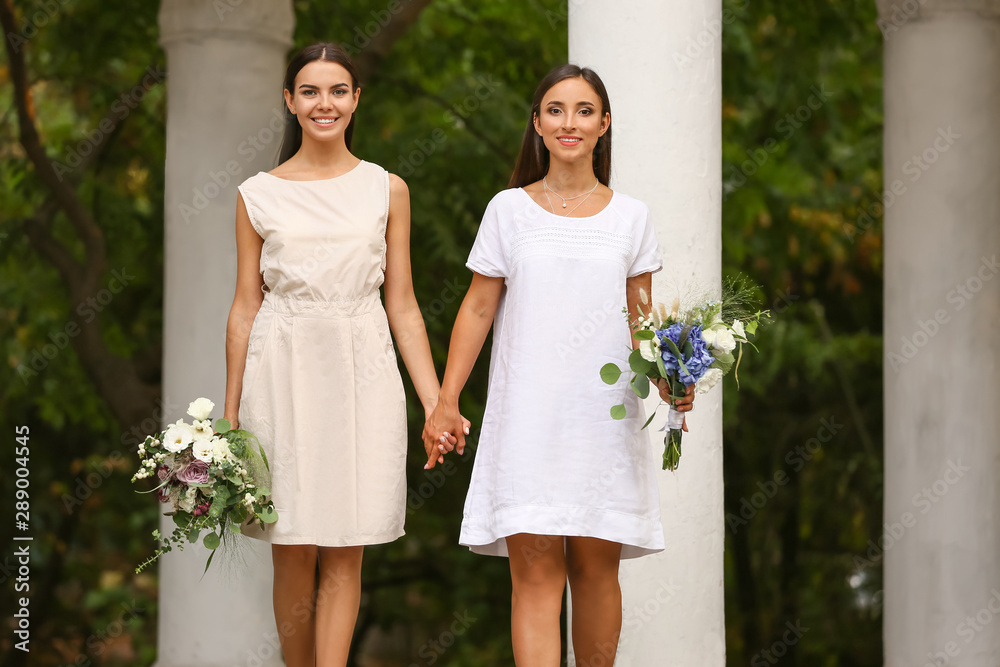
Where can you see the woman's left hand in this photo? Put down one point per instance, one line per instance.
(685, 404)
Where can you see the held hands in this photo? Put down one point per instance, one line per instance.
(685, 404)
(444, 431)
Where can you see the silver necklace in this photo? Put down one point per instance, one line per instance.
(585, 195)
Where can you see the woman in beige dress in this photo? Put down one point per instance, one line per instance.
(310, 364)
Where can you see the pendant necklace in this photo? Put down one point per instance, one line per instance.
(585, 195)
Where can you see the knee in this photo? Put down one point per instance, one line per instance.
(294, 555)
(340, 562)
(542, 577)
(587, 572)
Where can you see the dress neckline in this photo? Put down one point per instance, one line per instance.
(614, 193)
(317, 180)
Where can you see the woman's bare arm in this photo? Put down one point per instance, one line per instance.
(405, 318)
(246, 303)
(475, 317)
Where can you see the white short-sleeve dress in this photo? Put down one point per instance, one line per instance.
(550, 459)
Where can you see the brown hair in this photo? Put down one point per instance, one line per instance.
(533, 159)
(327, 52)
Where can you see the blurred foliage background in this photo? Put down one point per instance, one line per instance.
(802, 115)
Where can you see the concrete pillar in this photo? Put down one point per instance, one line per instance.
(661, 63)
(941, 541)
(225, 63)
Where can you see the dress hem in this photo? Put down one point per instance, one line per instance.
(638, 535)
(355, 541)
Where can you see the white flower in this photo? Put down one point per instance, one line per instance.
(202, 429)
(708, 335)
(220, 450)
(186, 504)
(202, 450)
(708, 380)
(178, 436)
(724, 339)
(738, 330)
(201, 408)
(248, 499)
(719, 337)
(650, 349)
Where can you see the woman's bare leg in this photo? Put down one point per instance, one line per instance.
(538, 575)
(294, 608)
(337, 603)
(592, 566)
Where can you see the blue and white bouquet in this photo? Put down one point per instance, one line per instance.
(691, 347)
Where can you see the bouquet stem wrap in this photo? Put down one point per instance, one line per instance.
(672, 446)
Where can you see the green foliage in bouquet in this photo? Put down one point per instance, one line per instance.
(692, 347)
(215, 481)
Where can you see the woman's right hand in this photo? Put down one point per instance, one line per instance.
(444, 429)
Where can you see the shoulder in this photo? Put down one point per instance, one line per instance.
(630, 207)
(255, 180)
(397, 186)
(505, 199)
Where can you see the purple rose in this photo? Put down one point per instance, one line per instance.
(195, 472)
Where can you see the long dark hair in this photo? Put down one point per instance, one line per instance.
(533, 160)
(331, 53)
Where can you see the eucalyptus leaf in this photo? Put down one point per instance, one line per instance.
(610, 373)
(618, 411)
(212, 540)
(222, 425)
(640, 385)
(638, 364)
(645, 334)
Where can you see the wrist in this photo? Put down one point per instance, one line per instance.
(448, 399)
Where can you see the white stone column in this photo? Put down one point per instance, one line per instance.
(941, 540)
(661, 63)
(225, 63)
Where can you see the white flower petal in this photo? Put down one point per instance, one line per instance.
(200, 408)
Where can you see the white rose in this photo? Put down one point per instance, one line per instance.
(724, 339)
(708, 380)
(178, 437)
(649, 349)
(708, 335)
(738, 330)
(202, 450)
(201, 408)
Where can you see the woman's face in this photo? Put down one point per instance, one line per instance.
(323, 100)
(570, 120)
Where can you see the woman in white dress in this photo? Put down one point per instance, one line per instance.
(558, 486)
(310, 366)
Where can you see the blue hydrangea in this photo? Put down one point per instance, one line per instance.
(697, 362)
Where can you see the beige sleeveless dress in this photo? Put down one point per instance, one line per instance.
(321, 388)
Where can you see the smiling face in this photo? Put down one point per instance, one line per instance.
(570, 121)
(323, 100)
